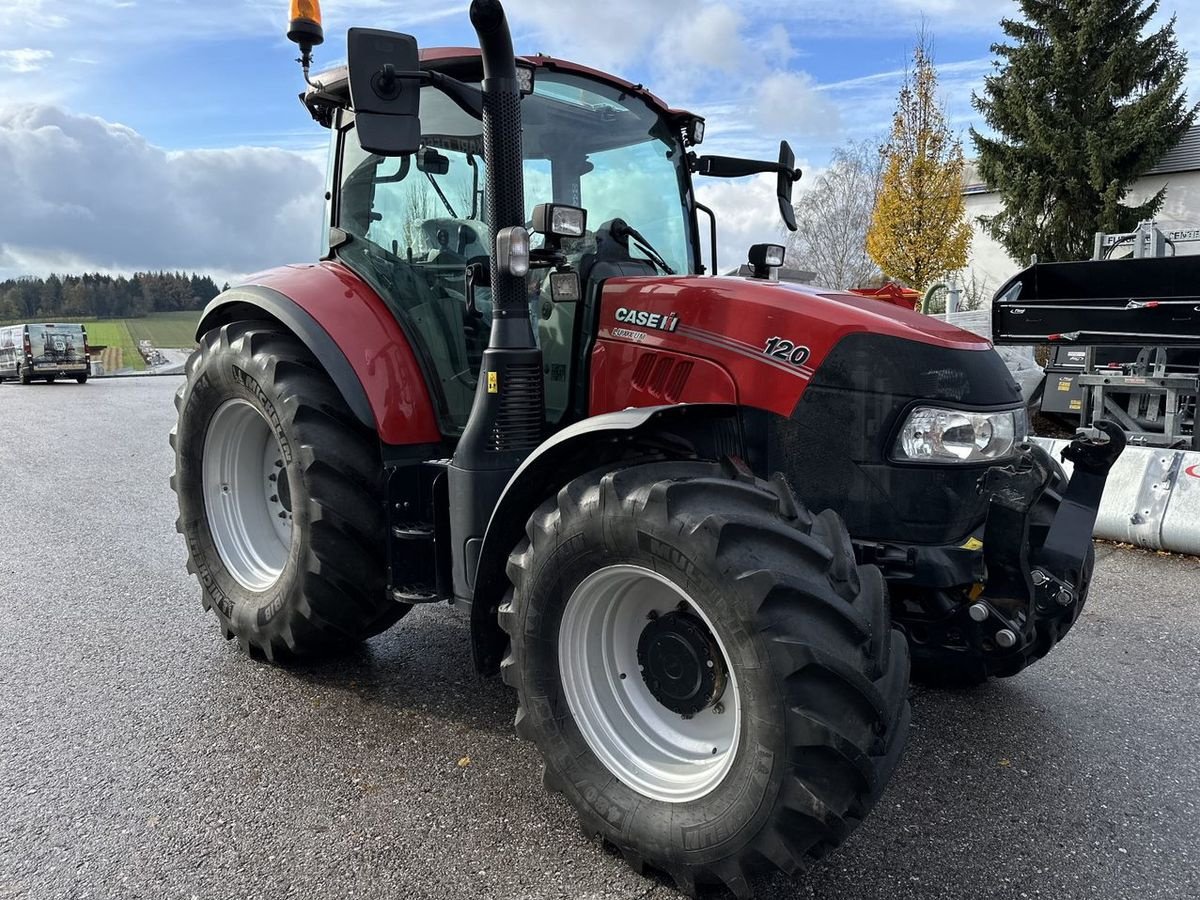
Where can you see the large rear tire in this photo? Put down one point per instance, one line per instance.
(280, 496)
(711, 680)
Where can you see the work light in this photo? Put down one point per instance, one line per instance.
(558, 220)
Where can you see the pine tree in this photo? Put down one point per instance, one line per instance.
(1082, 105)
(918, 228)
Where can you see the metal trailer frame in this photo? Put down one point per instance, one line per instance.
(1154, 390)
(1109, 303)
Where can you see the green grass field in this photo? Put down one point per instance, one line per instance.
(173, 330)
(176, 329)
(115, 333)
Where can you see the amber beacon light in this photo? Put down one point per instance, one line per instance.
(304, 24)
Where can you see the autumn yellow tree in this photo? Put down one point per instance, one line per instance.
(919, 231)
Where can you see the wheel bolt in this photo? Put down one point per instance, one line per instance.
(718, 708)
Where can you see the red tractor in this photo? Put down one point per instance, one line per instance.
(610, 459)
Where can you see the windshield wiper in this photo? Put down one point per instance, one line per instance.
(622, 230)
(442, 195)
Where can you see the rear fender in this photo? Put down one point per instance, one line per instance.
(686, 431)
(354, 336)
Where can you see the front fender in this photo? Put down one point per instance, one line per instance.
(353, 334)
(685, 431)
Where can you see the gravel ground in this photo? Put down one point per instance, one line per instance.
(142, 756)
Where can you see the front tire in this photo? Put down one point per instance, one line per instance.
(780, 685)
(280, 496)
(82, 379)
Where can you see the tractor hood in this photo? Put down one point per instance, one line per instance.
(771, 341)
(742, 307)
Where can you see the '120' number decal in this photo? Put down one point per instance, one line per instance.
(781, 348)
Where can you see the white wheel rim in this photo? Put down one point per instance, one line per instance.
(652, 749)
(247, 495)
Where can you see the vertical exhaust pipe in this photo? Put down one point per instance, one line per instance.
(509, 409)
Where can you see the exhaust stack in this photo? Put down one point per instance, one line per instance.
(509, 411)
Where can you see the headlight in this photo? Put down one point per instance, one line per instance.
(933, 435)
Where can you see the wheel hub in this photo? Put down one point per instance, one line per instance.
(633, 654)
(680, 663)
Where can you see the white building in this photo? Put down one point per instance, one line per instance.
(1178, 170)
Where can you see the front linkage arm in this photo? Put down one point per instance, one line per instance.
(1034, 571)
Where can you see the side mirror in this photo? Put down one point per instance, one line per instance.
(788, 176)
(385, 90)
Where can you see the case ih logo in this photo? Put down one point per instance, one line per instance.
(668, 322)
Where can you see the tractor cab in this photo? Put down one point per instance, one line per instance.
(413, 226)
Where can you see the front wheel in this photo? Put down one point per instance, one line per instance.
(280, 496)
(711, 680)
(82, 379)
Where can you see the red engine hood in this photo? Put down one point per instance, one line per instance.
(768, 338)
(745, 308)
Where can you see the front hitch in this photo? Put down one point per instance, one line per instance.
(1034, 568)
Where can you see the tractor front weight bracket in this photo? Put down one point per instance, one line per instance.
(1034, 572)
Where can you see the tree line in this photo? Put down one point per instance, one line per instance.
(104, 296)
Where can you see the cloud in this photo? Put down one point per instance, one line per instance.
(24, 60)
(81, 192)
(791, 103)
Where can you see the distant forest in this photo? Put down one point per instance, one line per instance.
(103, 296)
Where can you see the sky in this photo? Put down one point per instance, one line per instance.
(167, 134)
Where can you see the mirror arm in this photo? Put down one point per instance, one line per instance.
(734, 167)
(467, 97)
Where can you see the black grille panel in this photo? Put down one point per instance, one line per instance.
(519, 421)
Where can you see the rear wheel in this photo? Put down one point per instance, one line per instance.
(280, 496)
(50, 379)
(82, 379)
(711, 680)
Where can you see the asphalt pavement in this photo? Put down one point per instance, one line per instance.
(142, 756)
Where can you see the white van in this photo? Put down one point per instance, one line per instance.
(44, 353)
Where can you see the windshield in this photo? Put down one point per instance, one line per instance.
(416, 222)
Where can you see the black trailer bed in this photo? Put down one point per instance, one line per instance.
(1127, 302)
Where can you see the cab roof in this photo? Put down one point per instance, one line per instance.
(464, 63)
